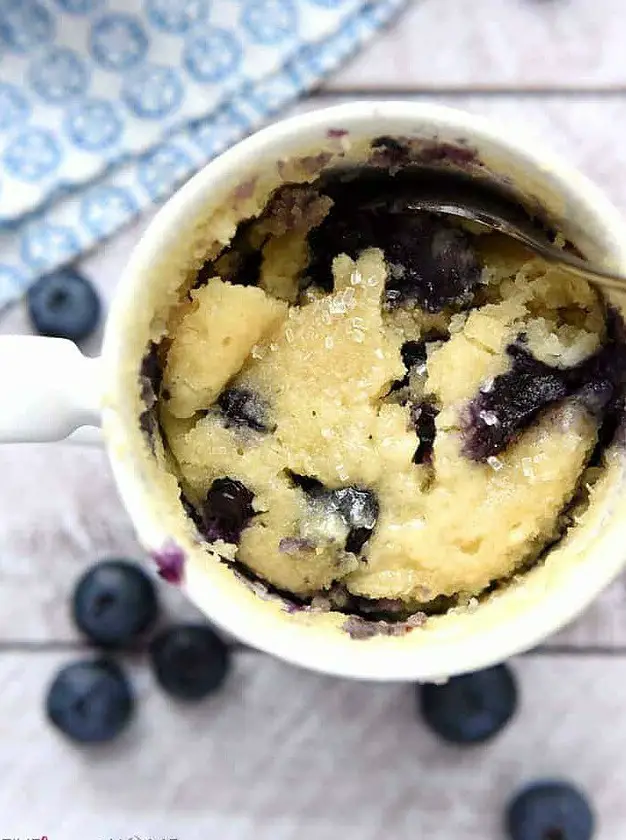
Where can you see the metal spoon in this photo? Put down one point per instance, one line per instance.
(478, 201)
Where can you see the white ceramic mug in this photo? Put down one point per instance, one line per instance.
(49, 389)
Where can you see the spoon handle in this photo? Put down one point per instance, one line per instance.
(601, 277)
(49, 389)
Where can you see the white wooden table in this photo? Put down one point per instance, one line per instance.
(282, 754)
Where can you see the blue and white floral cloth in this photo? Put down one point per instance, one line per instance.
(107, 105)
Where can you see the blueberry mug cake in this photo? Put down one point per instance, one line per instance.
(375, 411)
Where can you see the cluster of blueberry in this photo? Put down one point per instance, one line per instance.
(472, 709)
(115, 606)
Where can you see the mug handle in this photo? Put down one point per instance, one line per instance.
(48, 389)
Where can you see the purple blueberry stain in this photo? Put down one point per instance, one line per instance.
(266, 591)
(359, 628)
(397, 152)
(384, 617)
(291, 205)
(439, 152)
(336, 133)
(170, 562)
(245, 189)
(239, 263)
(307, 483)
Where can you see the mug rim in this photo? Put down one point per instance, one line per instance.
(372, 658)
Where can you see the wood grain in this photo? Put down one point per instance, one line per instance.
(60, 513)
(562, 44)
(285, 755)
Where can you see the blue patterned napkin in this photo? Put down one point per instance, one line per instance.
(107, 105)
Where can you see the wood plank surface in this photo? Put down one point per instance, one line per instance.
(286, 755)
(68, 515)
(563, 44)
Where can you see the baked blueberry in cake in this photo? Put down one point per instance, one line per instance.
(377, 409)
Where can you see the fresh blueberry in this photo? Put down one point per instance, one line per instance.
(551, 810)
(423, 419)
(64, 305)
(242, 407)
(114, 603)
(190, 661)
(227, 510)
(90, 701)
(471, 708)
